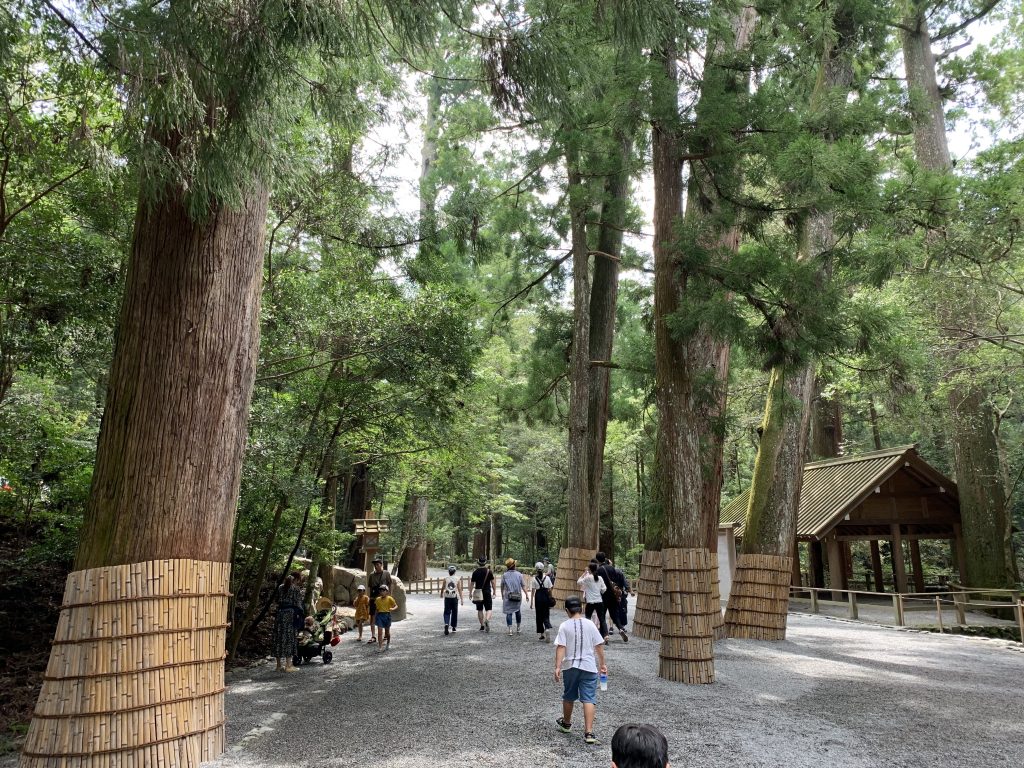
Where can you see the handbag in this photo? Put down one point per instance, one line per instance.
(478, 595)
(515, 597)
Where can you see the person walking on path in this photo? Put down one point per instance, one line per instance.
(549, 570)
(639, 746)
(624, 600)
(579, 656)
(512, 587)
(385, 605)
(451, 592)
(615, 588)
(540, 600)
(378, 579)
(483, 593)
(593, 588)
(362, 606)
(287, 621)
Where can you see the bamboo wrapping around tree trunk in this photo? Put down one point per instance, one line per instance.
(687, 617)
(572, 561)
(716, 599)
(759, 601)
(647, 618)
(136, 677)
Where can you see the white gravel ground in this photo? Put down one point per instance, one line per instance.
(834, 694)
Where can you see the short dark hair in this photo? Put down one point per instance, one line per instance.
(601, 557)
(639, 746)
(573, 604)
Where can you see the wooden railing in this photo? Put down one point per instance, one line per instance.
(956, 603)
(433, 586)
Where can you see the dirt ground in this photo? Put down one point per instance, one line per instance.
(840, 692)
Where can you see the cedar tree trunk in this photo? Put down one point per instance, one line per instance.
(983, 506)
(168, 462)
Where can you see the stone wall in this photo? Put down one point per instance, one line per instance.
(346, 580)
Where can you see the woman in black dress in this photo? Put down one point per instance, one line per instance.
(289, 612)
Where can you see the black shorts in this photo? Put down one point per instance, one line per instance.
(373, 608)
(486, 604)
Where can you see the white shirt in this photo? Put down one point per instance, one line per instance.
(579, 636)
(593, 587)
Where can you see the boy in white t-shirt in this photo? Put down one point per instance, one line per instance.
(579, 656)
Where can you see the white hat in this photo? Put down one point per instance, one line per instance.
(539, 566)
(360, 587)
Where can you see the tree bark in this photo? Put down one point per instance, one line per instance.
(584, 521)
(826, 425)
(691, 374)
(414, 558)
(604, 295)
(983, 506)
(168, 462)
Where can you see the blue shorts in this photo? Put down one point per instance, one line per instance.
(579, 686)
(383, 620)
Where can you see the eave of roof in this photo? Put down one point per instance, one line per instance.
(833, 487)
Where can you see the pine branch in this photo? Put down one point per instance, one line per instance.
(533, 284)
(948, 32)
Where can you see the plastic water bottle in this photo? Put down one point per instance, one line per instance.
(603, 679)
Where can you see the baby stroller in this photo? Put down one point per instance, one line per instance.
(320, 634)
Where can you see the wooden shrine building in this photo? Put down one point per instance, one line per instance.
(891, 495)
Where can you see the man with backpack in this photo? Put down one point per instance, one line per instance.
(451, 592)
(616, 588)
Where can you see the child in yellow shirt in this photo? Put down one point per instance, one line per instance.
(362, 606)
(385, 605)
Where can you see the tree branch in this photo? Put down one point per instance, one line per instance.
(948, 32)
(533, 284)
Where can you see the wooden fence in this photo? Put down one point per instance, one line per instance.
(954, 603)
(433, 586)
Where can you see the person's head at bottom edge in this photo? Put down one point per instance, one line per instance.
(639, 746)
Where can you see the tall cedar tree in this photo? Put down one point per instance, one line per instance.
(770, 527)
(983, 503)
(170, 449)
(691, 369)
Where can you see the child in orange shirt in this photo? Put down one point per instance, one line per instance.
(362, 606)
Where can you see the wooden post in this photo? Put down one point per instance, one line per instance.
(814, 600)
(958, 603)
(1020, 619)
(847, 549)
(817, 565)
(915, 561)
(851, 599)
(897, 607)
(797, 577)
(876, 566)
(836, 567)
(960, 552)
(938, 611)
(899, 567)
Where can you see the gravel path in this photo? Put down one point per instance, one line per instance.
(849, 694)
